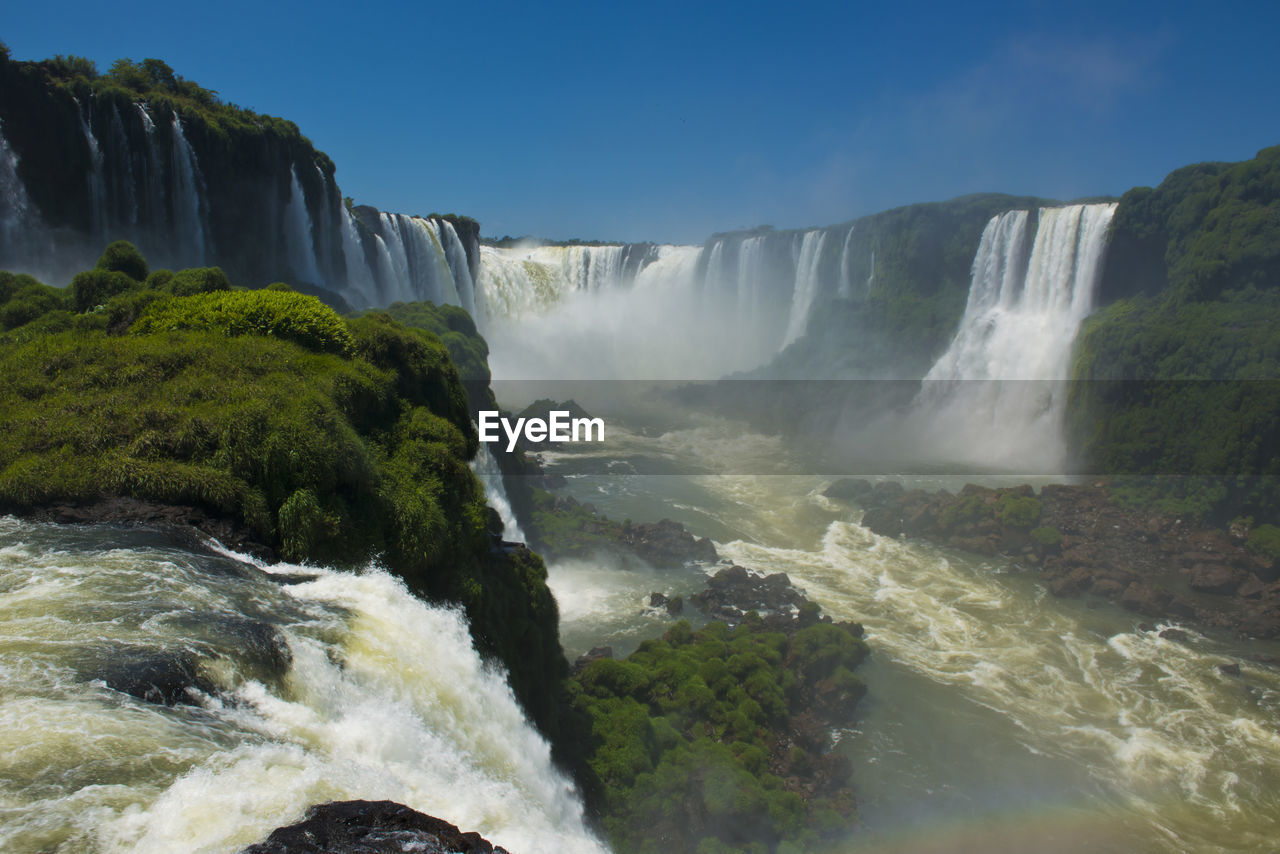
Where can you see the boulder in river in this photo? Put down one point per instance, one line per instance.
(371, 827)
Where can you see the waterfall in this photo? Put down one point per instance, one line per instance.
(486, 469)
(153, 179)
(97, 182)
(996, 395)
(188, 215)
(846, 283)
(299, 238)
(361, 290)
(456, 255)
(15, 207)
(806, 285)
(373, 694)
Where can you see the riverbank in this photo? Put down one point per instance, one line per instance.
(1082, 541)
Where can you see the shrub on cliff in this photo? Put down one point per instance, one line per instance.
(1018, 511)
(331, 442)
(123, 257)
(93, 288)
(23, 299)
(292, 317)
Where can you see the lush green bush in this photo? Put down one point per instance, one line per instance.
(93, 288)
(197, 280)
(123, 257)
(682, 752)
(1018, 511)
(23, 299)
(1265, 540)
(1046, 537)
(1175, 391)
(292, 317)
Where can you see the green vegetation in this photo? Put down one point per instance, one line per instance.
(1046, 537)
(333, 441)
(561, 527)
(1265, 540)
(686, 748)
(1018, 511)
(1175, 386)
(284, 315)
(453, 326)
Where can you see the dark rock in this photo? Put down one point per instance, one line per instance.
(1145, 599)
(1214, 578)
(848, 489)
(675, 605)
(1072, 584)
(657, 600)
(371, 827)
(667, 544)
(179, 517)
(884, 492)
(162, 677)
(1231, 669)
(885, 521)
(1252, 588)
(1108, 587)
(1174, 634)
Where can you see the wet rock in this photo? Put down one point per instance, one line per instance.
(1145, 599)
(371, 827)
(1252, 588)
(848, 489)
(1174, 635)
(180, 518)
(735, 591)
(885, 521)
(1231, 669)
(667, 544)
(1213, 578)
(884, 492)
(657, 600)
(164, 678)
(1073, 583)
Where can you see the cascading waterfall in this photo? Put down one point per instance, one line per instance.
(486, 469)
(806, 285)
(124, 187)
(188, 210)
(361, 289)
(456, 256)
(996, 395)
(846, 279)
(97, 183)
(330, 686)
(15, 207)
(299, 238)
(153, 180)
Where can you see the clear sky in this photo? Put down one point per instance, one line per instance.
(667, 121)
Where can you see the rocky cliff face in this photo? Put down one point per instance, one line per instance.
(142, 155)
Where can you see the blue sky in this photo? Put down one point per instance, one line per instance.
(667, 122)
